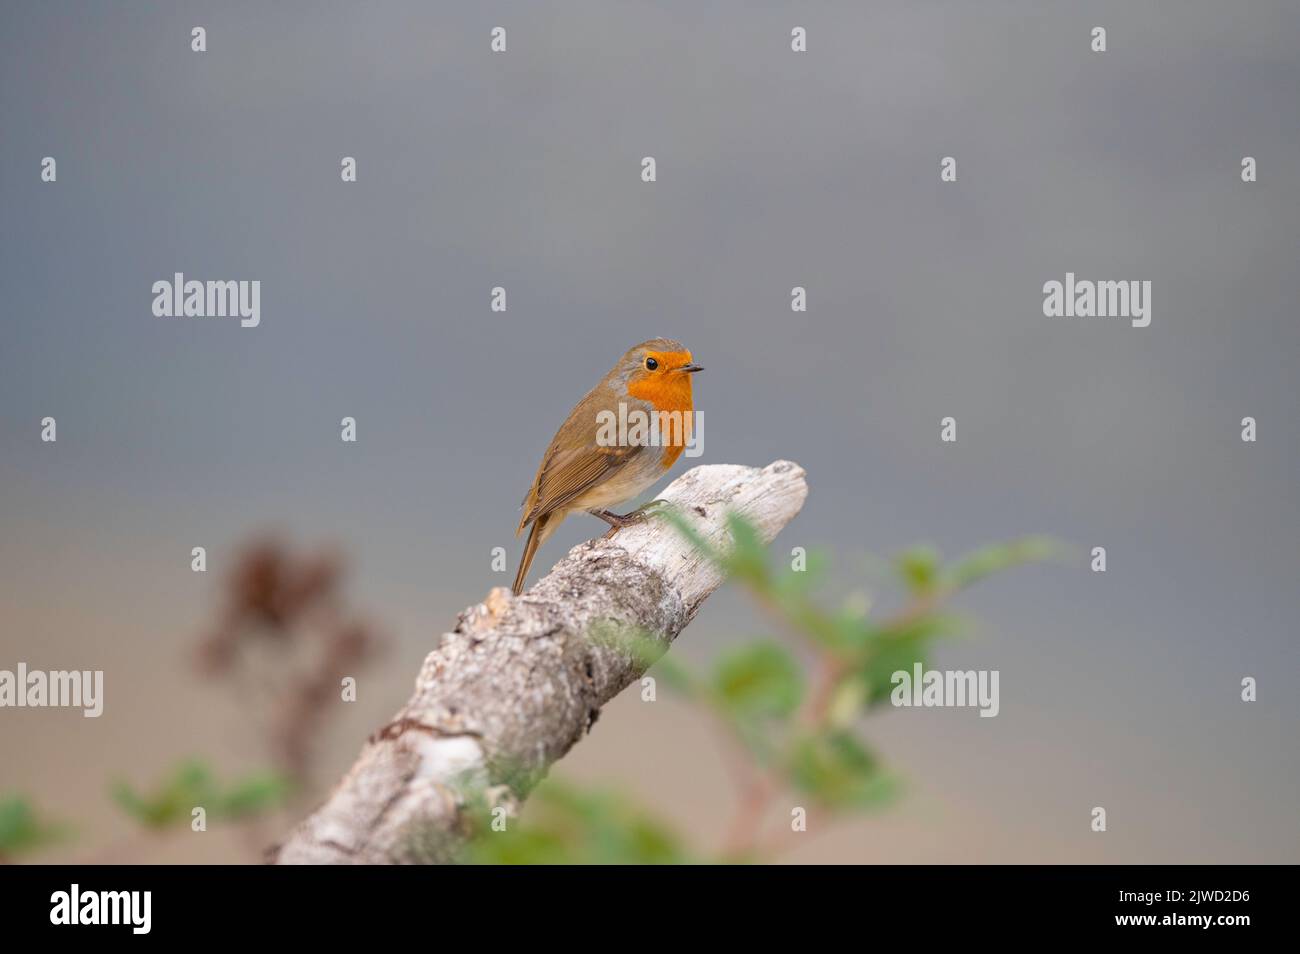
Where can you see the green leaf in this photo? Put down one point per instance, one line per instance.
(835, 630)
(899, 649)
(644, 648)
(678, 521)
(919, 568)
(998, 557)
(759, 679)
(21, 831)
(847, 702)
(131, 803)
(836, 769)
(254, 794)
(648, 651)
(191, 785)
(563, 825)
(747, 559)
(850, 633)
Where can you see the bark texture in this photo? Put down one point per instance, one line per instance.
(519, 680)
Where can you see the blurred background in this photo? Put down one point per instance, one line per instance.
(522, 170)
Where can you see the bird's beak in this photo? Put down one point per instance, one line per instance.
(690, 368)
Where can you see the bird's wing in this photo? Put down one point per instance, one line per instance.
(564, 476)
(575, 461)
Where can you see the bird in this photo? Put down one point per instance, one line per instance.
(593, 463)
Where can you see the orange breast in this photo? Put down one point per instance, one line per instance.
(671, 396)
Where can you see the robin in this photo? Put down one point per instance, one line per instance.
(592, 465)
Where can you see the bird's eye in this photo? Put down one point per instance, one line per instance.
(651, 364)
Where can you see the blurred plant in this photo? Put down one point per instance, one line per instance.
(285, 641)
(169, 807)
(22, 831)
(193, 785)
(790, 729)
(570, 826)
(789, 733)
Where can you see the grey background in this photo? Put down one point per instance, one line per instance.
(775, 169)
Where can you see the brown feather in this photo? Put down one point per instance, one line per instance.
(535, 536)
(574, 462)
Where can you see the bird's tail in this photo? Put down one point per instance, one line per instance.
(536, 534)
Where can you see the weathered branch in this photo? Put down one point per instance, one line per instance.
(519, 680)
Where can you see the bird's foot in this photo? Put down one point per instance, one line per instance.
(617, 521)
